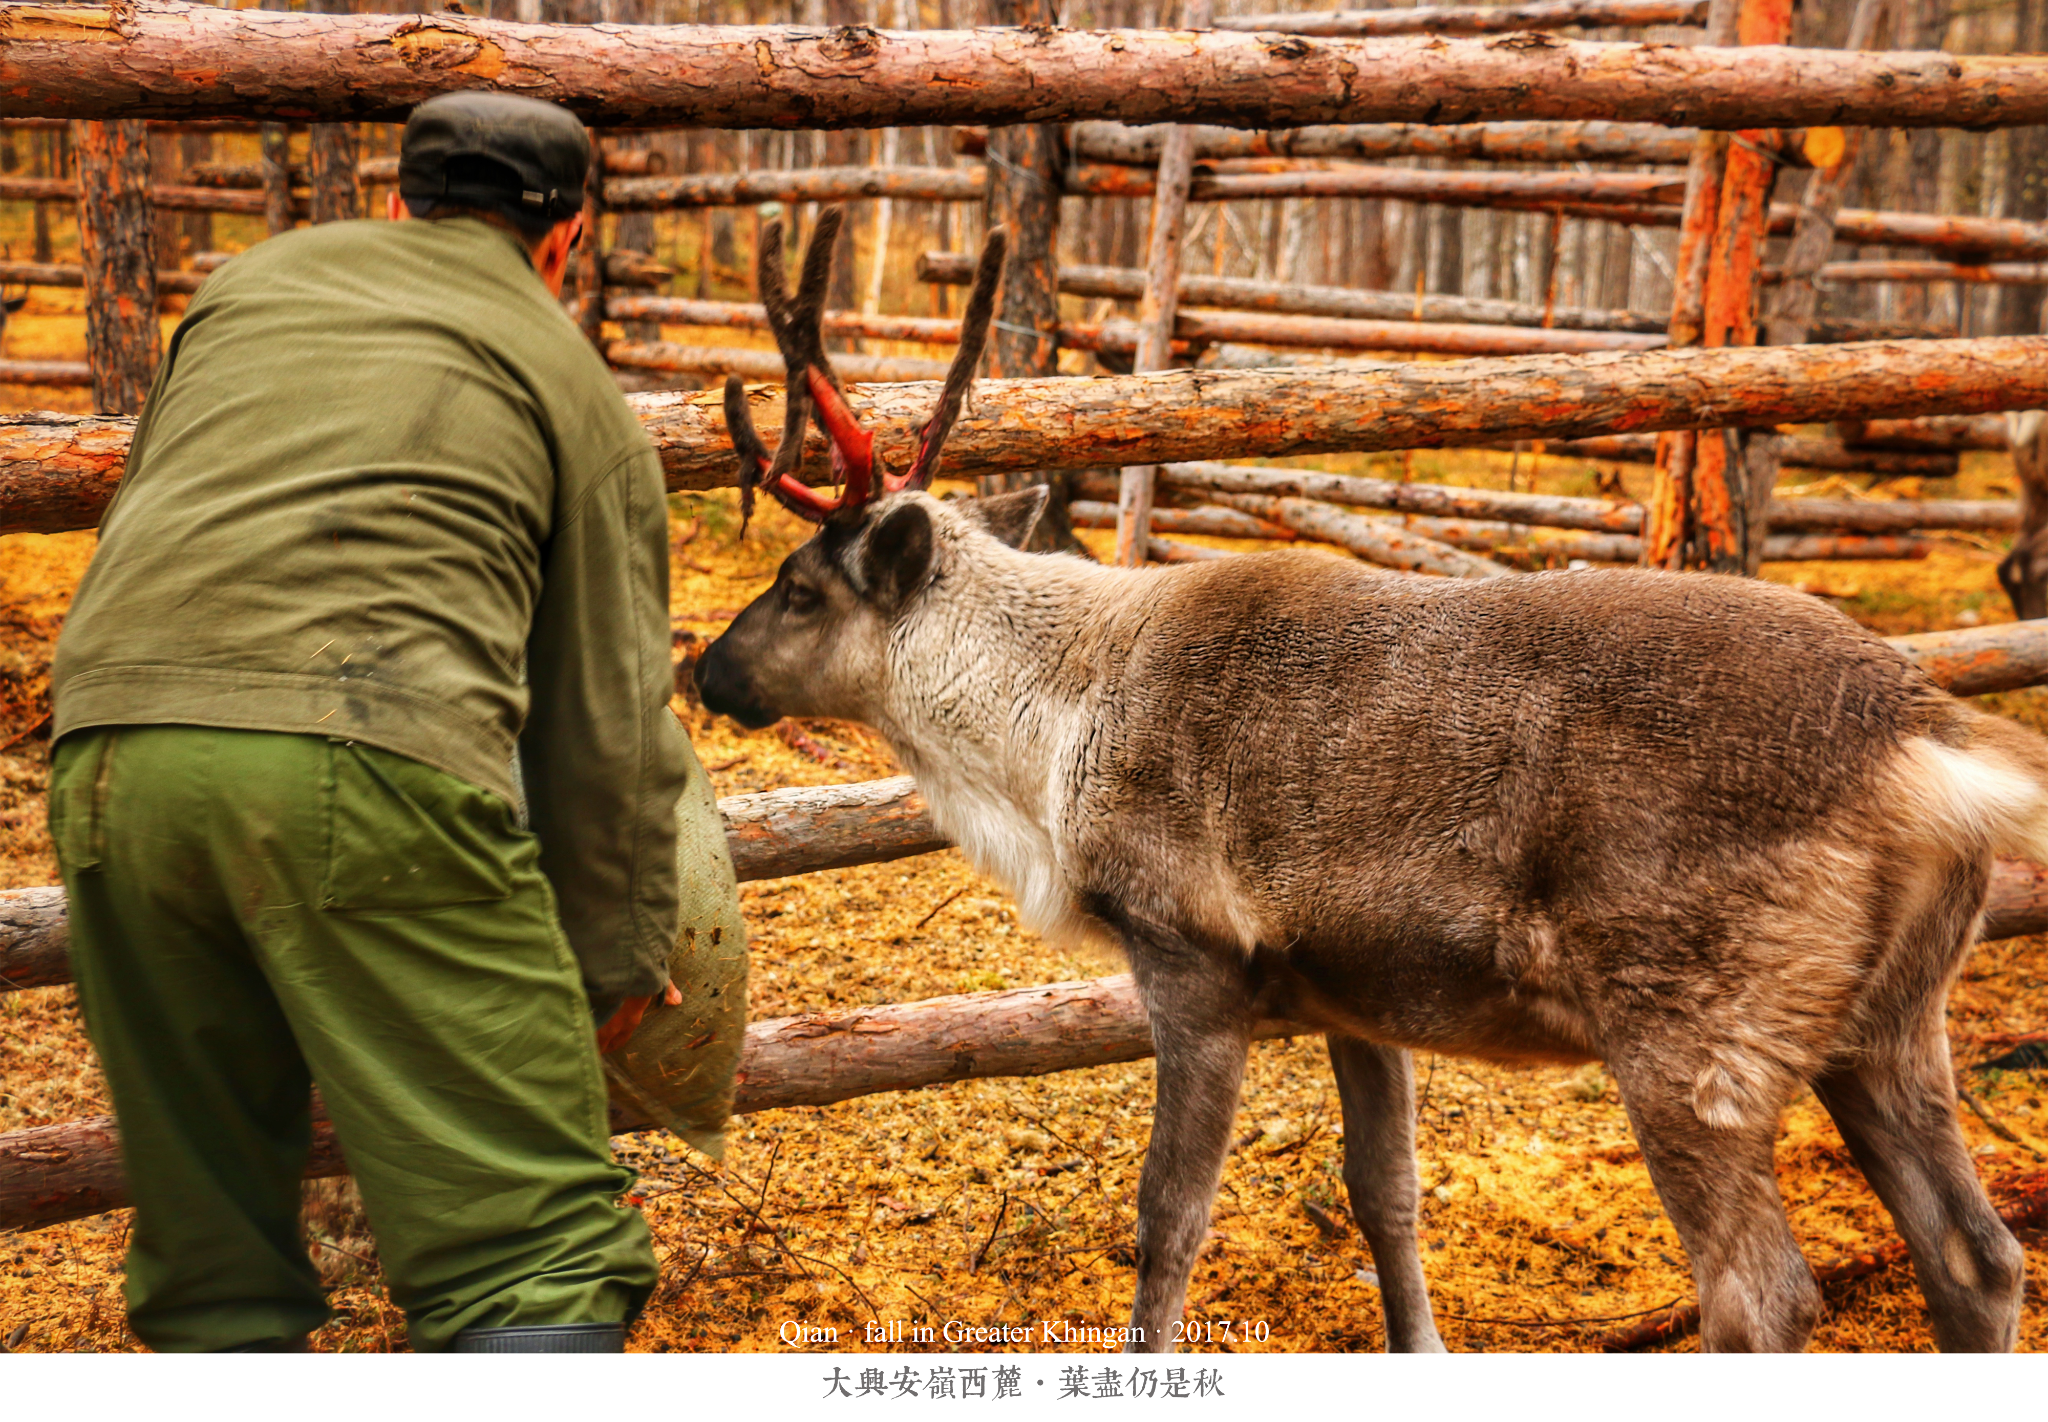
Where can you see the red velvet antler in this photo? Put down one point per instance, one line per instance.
(812, 391)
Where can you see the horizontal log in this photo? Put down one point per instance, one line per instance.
(1443, 187)
(57, 471)
(1977, 660)
(1972, 239)
(1506, 142)
(153, 59)
(61, 274)
(760, 364)
(796, 185)
(168, 196)
(1431, 500)
(770, 835)
(1245, 294)
(1477, 19)
(1842, 547)
(50, 1174)
(1168, 550)
(1326, 333)
(1210, 521)
(1997, 273)
(1941, 432)
(1512, 540)
(1381, 541)
(1795, 451)
(59, 374)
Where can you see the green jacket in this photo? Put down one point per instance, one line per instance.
(384, 491)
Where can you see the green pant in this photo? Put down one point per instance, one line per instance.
(252, 912)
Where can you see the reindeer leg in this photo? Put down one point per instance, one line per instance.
(1201, 1034)
(1896, 1108)
(1756, 1293)
(1376, 1085)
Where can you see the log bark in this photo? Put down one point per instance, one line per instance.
(1208, 521)
(1025, 180)
(770, 835)
(1381, 541)
(760, 364)
(56, 470)
(163, 60)
(64, 275)
(1507, 142)
(57, 374)
(687, 190)
(1245, 294)
(116, 235)
(1797, 451)
(1954, 432)
(1893, 516)
(1157, 307)
(55, 1173)
(337, 192)
(1479, 19)
(1995, 273)
(590, 264)
(1445, 187)
(1167, 550)
(278, 207)
(171, 197)
(2023, 572)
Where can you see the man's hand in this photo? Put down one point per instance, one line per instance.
(620, 1026)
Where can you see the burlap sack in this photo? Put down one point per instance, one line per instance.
(679, 1067)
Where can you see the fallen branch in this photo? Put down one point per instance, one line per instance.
(1376, 540)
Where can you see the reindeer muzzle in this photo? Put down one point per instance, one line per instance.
(726, 690)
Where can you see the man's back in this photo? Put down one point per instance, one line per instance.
(340, 496)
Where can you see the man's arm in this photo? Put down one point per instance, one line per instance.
(601, 753)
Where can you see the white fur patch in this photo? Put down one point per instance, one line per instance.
(1978, 794)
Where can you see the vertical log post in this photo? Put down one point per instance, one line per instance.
(116, 232)
(1024, 167)
(1160, 305)
(1731, 498)
(1668, 533)
(277, 178)
(590, 257)
(337, 193)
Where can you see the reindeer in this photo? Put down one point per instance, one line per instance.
(1703, 829)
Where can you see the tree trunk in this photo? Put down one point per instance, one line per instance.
(337, 195)
(1479, 19)
(161, 60)
(277, 178)
(590, 256)
(115, 230)
(1593, 141)
(56, 471)
(1026, 162)
(1159, 305)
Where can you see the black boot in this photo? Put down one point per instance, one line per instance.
(550, 1338)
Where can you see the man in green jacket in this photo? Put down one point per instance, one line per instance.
(365, 772)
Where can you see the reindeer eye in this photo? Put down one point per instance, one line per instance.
(798, 598)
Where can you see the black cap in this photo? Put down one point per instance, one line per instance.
(538, 156)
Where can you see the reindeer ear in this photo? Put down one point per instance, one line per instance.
(1012, 516)
(898, 554)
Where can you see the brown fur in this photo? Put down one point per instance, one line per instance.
(1705, 829)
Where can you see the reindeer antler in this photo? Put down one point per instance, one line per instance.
(813, 391)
